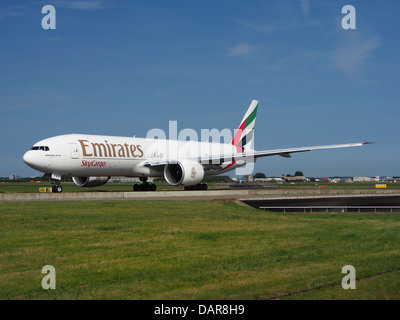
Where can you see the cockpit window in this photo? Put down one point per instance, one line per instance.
(43, 148)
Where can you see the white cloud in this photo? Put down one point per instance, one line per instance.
(263, 27)
(12, 11)
(305, 7)
(351, 54)
(240, 50)
(79, 5)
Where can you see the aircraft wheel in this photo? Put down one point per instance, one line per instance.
(135, 187)
(57, 189)
(144, 187)
(153, 187)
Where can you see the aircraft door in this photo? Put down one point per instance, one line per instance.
(73, 147)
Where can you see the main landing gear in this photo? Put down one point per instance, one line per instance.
(199, 186)
(145, 186)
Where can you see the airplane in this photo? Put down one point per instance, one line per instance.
(91, 160)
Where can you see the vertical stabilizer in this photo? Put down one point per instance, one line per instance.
(244, 134)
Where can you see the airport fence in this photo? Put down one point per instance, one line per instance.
(311, 209)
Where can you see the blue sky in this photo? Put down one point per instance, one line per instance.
(125, 67)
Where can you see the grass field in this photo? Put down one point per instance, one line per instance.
(30, 187)
(193, 250)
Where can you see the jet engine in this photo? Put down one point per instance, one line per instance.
(90, 181)
(186, 173)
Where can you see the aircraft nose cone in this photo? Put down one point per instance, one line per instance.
(27, 158)
(31, 160)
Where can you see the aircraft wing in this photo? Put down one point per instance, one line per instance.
(280, 152)
(252, 155)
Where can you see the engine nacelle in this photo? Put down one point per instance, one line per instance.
(90, 181)
(186, 173)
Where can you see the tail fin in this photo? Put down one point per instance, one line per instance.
(244, 134)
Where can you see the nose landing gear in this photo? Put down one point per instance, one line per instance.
(55, 180)
(56, 188)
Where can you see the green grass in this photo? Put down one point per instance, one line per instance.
(328, 185)
(340, 185)
(193, 250)
(31, 187)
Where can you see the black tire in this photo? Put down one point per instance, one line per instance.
(144, 187)
(56, 189)
(135, 187)
(153, 187)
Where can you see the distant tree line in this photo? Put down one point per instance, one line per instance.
(260, 175)
(206, 179)
(29, 179)
(296, 174)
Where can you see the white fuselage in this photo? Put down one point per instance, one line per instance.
(92, 159)
(84, 155)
